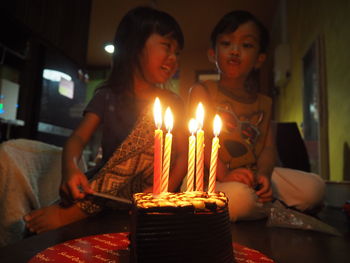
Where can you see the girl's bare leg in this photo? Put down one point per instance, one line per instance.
(52, 217)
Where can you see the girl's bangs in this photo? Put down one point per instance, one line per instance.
(171, 28)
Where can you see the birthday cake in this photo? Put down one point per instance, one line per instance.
(181, 227)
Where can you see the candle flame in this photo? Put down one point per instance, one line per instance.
(200, 115)
(217, 125)
(192, 126)
(157, 113)
(168, 119)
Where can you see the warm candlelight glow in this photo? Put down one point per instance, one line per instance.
(214, 154)
(157, 113)
(217, 125)
(200, 115)
(158, 147)
(200, 149)
(168, 121)
(192, 126)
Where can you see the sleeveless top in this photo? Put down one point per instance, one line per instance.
(245, 126)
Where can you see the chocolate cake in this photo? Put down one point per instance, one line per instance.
(181, 227)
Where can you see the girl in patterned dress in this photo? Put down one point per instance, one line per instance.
(147, 44)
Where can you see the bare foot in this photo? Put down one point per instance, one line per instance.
(52, 217)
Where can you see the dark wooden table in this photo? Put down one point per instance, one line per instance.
(281, 244)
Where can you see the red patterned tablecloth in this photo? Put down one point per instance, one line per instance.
(110, 248)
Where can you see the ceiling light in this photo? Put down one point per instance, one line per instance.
(109, 48)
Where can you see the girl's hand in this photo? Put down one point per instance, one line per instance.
(242, 175)
(264, 192)
(74, 186)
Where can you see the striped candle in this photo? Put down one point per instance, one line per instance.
(191, 155)
(158, 147)
(200, 149)
(168, 120)
(214, 154)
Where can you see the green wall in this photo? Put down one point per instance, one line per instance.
(306, 20)
(90, 89)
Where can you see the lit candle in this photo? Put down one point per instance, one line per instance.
(158, 146)
(214, 154)
(168, 121)
(192, 125)
(200, 149)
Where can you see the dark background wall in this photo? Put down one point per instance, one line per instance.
(35, 34)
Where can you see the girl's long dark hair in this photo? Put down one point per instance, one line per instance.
(131, 35)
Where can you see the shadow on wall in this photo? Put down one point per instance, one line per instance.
(346, 167)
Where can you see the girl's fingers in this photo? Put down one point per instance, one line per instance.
(77, 187)
(74, 191)
(263, 189)
(242, 178)
(265, 196)
(248, 174)
(86, 186)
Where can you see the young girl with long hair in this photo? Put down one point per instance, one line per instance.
(147, 45)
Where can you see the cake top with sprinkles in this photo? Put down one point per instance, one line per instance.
(197, 201)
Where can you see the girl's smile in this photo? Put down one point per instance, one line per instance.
(159, 59)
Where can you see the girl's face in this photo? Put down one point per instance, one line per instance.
(238, 53)
(159, 59)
